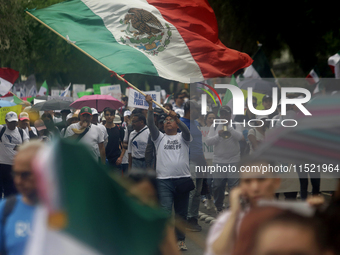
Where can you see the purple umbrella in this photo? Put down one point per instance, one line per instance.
(98, 102)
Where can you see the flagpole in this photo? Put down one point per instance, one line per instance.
(97, 61)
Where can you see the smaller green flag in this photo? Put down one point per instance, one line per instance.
(43, 89)
(17, 100)
(96, 87)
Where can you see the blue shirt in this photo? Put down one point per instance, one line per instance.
(196, 149)
(18, 226)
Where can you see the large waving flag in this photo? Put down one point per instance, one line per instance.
(85, 211)
(7, 78)
(176, 39)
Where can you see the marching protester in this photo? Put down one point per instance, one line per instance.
(43, 133)
(196, 158)
(172, 166)
(24, 124)
(16, 212)
(256, 135)
(138, 141)
(91, 135)
(226, 154)
(114, 149)
(10, 138)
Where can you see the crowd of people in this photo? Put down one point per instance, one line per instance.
(163, 147)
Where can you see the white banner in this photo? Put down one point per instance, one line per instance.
(55, 92)
(77, 88)
(207, 150)
(137, 100)
(113, 90)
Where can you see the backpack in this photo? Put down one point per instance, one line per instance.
(8, 208)
(20, 131)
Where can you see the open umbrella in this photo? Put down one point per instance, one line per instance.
(98, 102)
(4, 103)
(315, 139)
(54, 104)
(258, 85)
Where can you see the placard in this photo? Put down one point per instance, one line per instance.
(112, 90)
(137, 100)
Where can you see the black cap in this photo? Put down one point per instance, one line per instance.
(225, 108)
(157, 111)
(266, 98)
(162, 117)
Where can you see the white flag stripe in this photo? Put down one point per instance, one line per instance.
(5, 86)
(177, 64)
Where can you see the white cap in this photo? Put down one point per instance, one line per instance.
(94, 111)
(127, 113)
(180, 112)
(117, 119)
(11, 116)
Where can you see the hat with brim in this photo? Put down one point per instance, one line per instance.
(11, 116)
(225, 108)
(117, 119)
(39, 125)
(24, 116)
(85, 110)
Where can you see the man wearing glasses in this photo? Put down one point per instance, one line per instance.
(16, 212)
(179, 101)
(172, 166)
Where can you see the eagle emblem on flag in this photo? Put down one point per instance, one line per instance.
(145, 32)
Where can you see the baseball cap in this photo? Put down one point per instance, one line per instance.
(39, 125)
(267, 97)
(11, 116)
(24, 116)
(94, 111)
(157, 111)
(225, 108)
(127, 113)
(85, 110)
(117, 119)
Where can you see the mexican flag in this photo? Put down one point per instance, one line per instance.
(43, 89)
(84, 211)
(260, 68)
(334, 64)
(176, 39)
(312, 77)
(7, 78)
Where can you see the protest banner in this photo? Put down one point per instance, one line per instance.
(4, 110)
(112, 90)
(207, 150)
(137, 100)
(77, 88)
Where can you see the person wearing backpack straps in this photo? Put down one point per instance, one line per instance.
(10, 138)
(16, 212)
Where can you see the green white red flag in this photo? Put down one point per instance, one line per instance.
(176, 40)
(334, 64)
(85, 212)
(7, 78)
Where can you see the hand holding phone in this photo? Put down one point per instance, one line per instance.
(237, 200)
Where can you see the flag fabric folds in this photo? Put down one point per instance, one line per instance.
(334, 64)
(65, 92)
(160, 38)
(87, 209)
(260, 68)
(43, 89)
(7, 78)
(312, 77)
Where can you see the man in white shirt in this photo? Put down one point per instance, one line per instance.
(91, 135)
(172, 166)
(10, 138)
(24, 124)
(226, 156)
(138, 141)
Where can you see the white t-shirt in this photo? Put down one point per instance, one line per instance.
(138, 146)
(33, 129)
(259, 137)
(10, 139)
(92, 138)
(172, 156)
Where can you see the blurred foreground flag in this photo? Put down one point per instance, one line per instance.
(7, 78)
(334, 64)
(175, 39)
(85, 211)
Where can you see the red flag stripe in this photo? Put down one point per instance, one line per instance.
(9, 74)
(196, 22)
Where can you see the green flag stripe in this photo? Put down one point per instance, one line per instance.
(75, 20)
